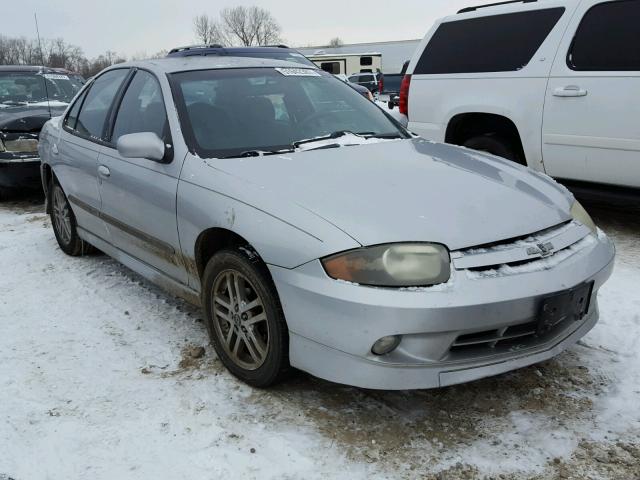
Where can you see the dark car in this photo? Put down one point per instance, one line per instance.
(29, 96)
(391, 88)
(373, 81)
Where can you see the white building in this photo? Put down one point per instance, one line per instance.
(394, 54)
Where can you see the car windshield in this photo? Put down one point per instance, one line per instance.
(233, 112)
(23, 88)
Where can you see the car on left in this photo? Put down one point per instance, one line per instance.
(29, 96)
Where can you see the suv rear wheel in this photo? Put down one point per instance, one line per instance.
(494, 145)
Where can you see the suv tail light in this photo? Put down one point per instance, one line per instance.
(381, 84)
(403, 104)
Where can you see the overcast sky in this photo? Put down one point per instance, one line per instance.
(136, 26)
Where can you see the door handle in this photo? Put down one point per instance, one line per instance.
(570, 91)
(104, 172)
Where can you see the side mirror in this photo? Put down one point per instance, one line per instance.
(141, 145)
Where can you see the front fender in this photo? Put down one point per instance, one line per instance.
(282, 233)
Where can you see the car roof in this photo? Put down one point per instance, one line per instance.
(26, 68)
(510, 6)
(217, 49)
(188, 63)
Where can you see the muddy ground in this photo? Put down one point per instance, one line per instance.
(492, 428)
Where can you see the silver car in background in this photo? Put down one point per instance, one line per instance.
(315, 231)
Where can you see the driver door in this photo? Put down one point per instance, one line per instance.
(138, 194)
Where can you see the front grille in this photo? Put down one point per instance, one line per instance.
(538, 251)
(509, 339)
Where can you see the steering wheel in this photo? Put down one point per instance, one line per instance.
(304, 124)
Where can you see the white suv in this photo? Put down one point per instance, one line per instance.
(553, 84)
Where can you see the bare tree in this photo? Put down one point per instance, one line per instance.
(56, 53)
(250, 26)
(245, 26)
(336, 42)
(208, 30)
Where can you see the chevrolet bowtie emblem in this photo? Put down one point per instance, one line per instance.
(542, 249)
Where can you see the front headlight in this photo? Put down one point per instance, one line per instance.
(394, 265)
(579, 214)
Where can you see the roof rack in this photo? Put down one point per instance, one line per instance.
(276, 46)
(473, 9)
(195, 47)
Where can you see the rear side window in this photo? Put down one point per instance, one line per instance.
(72, 117)
(91, 120)
(142, 108)
(608, 38)
(500, 43)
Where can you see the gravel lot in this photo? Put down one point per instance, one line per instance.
(101, 377)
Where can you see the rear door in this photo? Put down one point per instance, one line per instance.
(139, 195)
(76, 152)
(591, 129)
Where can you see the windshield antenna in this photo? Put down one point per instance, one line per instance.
(44, 79)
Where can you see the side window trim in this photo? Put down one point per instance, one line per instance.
(89, 138)
(114, 108)
(81, 98)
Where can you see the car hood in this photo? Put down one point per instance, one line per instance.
(29, 117)
(411, 190)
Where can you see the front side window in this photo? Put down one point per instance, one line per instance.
(498, 43)
(608, 38)
(227, 112)
(92, 117)
(142, 108)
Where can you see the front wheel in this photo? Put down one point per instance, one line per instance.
(64, 224)
(244, 318)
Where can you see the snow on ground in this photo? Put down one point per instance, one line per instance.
(99, 378)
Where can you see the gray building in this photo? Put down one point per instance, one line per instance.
(394, 54)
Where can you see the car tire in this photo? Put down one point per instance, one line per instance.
(390, 105)
(244, 317)
(64, 224)
(494, 145)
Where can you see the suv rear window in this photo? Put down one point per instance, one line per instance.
(608, 38)
(499, 43)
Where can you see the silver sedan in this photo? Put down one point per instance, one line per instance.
(315, 231)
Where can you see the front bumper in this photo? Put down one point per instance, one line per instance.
(19, 170)
(333, 325)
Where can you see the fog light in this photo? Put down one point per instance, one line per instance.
(386, 345)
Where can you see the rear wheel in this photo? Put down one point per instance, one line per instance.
(244, 317)
(64, 224)
(494, 145)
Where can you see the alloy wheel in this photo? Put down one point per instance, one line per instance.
(61, 216)
(240, 320)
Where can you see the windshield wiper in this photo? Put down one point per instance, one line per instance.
(389, 136)
(259, 153)
(331, 136)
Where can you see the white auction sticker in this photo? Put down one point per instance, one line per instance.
(298, 72)
(55, 76)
